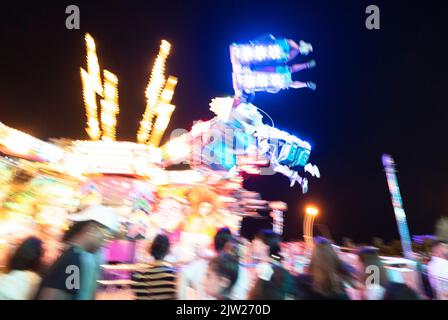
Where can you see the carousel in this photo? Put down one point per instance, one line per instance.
(43, 182)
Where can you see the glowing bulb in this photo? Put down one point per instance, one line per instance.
(313, 211)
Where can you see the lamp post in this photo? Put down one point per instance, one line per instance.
(310, 214)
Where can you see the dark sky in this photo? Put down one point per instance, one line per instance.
(381, 91)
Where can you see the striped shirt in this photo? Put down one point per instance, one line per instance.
(156, 281)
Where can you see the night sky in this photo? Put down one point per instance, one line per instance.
(381, 91)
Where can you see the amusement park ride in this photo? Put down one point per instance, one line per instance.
(136, 178)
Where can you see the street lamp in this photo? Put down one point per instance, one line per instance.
(310, 214)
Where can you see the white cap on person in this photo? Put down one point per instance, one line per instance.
(99, 213)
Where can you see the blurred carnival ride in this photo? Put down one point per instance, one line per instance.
(41, 182)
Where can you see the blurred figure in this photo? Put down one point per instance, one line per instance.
(380, 283)
(371, 262)
(22, 279)
(157, 281)
(270, 273)
(191, 277)
(348, 243)
(425, 287)
(273, 283)
(400, 291)
(437, 270)
(441, 232)
(266, 246)
(74, 275)
(349, 259)
(221, 276)
(239, 249)
(245, 250)
(378, 243)
(326, 277)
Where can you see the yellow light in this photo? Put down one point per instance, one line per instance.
(163, 112)
(308, 222)
(91, 85)
(177, 150)
(312, 211)
(93, 67)
(153, 91)
(165, 46)
(161, 124)
(90, 42)
(168, 91)
(109, 106)
(24, 144)
(107, 156)
(18, 143)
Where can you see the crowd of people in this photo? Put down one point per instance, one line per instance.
(237, 270)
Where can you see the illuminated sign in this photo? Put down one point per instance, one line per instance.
(110, 157)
